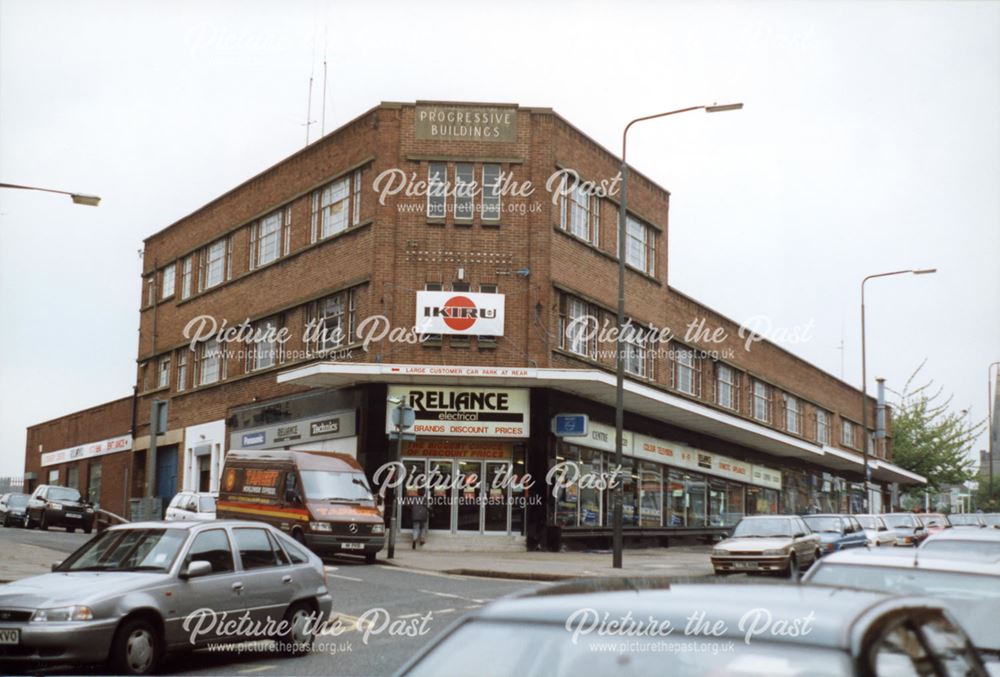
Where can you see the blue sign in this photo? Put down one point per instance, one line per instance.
(253, 439)
(570, 425)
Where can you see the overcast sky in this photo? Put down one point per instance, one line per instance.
(870, 142)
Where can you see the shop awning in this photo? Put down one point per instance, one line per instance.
(599, 386)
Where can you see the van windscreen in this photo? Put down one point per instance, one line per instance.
(323, 485)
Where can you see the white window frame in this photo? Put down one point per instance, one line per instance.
(822, 426)
(331, 209)
(267, 238)
(793, 414)
(169, 281)
(730, 385)
(210, 362)
(641, 256)
(637, 361)
(580, 213)
(686, 366)
(264, 354)
(847, 433)
(187, 272)
(465, 187)
(437, 194)
(344, 319)
(215, 263)
(761, 394)
(578, 343)
(163, 372)
(182, 370)
(491, 204)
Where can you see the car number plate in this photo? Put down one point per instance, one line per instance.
(9, 637)
(75, 515)
(352, 546)
(745, 565)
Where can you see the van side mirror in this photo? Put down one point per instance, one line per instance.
(292, 496)
(198, 567)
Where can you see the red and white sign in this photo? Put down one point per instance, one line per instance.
(123, 443)
(461, 313)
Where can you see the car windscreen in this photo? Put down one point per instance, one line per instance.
(833, 524)
(206, 503)
(867, 521)
(965, 520)
(501, 648)
(63, 494)
(17, 500)
(982, 551)
(992, 520)
(323, 485)
(764, 527)
(899, 520)
(128, 550)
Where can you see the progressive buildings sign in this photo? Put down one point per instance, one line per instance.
(464, 412)
(465, 123)
(461, 313)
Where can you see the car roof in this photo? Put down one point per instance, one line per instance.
(915, 558)
(304, 460)
(768, 517)
(991, 535)
(725, 602)
(826, 514)
(186, 524)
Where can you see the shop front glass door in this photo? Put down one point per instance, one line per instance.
(496, 502)
(469, 488)
(440, 473)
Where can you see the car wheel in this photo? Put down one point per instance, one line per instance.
(136, 648)
(370, 557)
(87, 530)
(297, 641)
(43, 523)
(793, 567)
(27, 521)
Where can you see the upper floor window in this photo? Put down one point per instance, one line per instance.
(491, 192)
(187, 270)
(214, 266)
(640, 245)
(847, 433)
(576, 326)
(687, 370)
(465, 186)
(761, 401)
(485, 340)
(269, 237)
(822, 426)
(334, 320)
(727, 390)
(210, 362)
(637, 358)
(163, 372)
(579, 213)
(150, 289)
(263, 352)
(168, 281)
(437, 193)
(182, 363)
(793, 414)
(337, 206)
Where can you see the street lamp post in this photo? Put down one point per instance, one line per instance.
(402, 417)
(78, 198)
(864, 374)
(619, 342)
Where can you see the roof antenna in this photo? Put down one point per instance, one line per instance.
(312, 70)
(322, 124)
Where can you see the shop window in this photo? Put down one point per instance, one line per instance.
(650, 495)
(53, 477)
(94, 483)
(590, 497)
(688, 499)
(567, 503)
(73, 476)
(762, 501)
(629, 480)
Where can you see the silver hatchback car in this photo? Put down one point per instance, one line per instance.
(137, 591)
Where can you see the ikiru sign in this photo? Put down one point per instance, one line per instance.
(465, 123)
(462, 313)
(445, 411)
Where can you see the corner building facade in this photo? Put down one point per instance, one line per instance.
(490, 231)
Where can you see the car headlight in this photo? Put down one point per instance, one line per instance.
(720, 552)
(63, 614)
(774, 553)
(90, 510)
(53, 506)
(378, 528)
(320, 526)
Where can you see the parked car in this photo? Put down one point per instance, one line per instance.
(123, 596)
(967, 519)
(970, 589)
(964, 544)
(992, 519)
(320, 499)
(12, 509)
(583, 629)
(909, 529)
(191, 505)
(53, 506)
(837, 532)
(767, 543)
(877, 532)
(934, 522)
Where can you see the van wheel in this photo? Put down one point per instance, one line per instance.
(298, 640)
(370, 557)
(136, 648)
(299, 538)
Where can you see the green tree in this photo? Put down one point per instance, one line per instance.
(931, 439)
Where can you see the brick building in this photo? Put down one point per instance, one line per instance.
(492, 228)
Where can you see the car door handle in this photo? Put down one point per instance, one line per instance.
(238, 587)
(286, 579)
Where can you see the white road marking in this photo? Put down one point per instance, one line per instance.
(424, 572)
(257, 668)
(474, 606)
(453, 596)
(410, 615)
(444, 611)
(346, 578)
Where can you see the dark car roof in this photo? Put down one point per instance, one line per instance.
(824, 514)
(834, 610)
(186, 524)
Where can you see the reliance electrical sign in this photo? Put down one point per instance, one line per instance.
(464, 412)
(461, 313)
